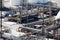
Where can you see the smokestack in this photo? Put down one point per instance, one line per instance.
(0, 3)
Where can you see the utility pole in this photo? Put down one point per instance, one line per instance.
(1, 19)
(43, 28)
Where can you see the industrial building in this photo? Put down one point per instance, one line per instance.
(30, 20)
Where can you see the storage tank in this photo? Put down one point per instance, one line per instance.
(9, 3)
